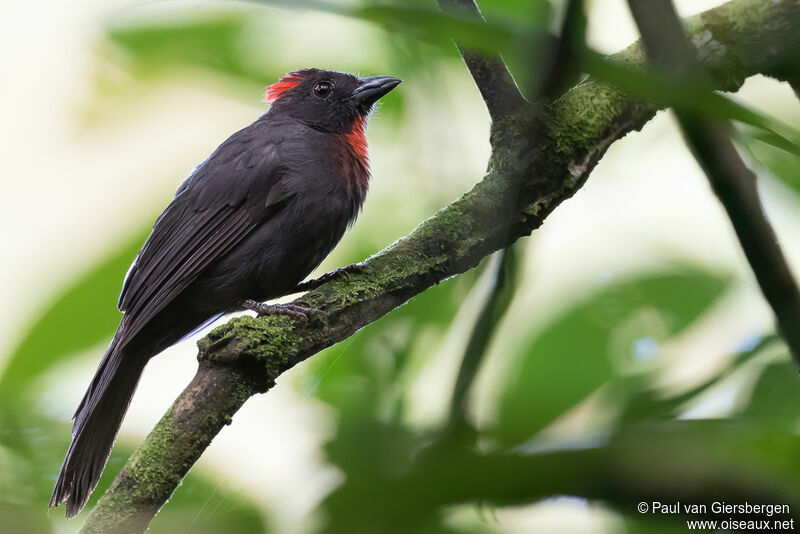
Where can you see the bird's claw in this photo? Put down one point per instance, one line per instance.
(298, 309)
(308, 310)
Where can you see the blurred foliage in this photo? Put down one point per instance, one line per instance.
(620, 329)
(82, 317)
(30, 460)
(212, 42)
(602, 353)
(402, 478)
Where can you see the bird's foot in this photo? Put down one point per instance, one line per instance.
(342, 272)
(298, 309)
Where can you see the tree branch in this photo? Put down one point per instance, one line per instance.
(526, 180)
(497, 87)
(734, 184)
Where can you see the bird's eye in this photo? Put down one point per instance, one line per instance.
(323, 89)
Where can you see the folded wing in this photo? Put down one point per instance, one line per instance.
(234, 191)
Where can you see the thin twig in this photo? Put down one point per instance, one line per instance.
(734, 184)
(492, 311)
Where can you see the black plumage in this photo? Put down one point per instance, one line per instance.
(250, 222)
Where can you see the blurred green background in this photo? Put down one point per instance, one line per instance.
(633, 319)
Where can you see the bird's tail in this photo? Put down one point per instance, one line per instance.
(97, 421)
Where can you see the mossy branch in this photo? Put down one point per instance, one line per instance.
(526, 181)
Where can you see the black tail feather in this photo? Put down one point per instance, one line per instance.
(97, 422)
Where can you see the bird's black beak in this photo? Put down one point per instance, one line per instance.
(370, 89)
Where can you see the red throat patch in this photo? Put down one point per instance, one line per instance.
(356, 143)
(274, 91)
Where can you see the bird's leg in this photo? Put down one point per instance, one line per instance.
(356, 268)
(297, 309)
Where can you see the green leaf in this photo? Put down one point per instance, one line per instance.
(435, 27)
(582, 349)
(214, 41)
(509, 27)
(426, 22)
(776, 395)
(783, 165)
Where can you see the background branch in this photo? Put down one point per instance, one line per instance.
(734, 184)
(553, 78)
(495, 83)
(525, 182)
(492, 311)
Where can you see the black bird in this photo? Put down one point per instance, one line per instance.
(248, 225)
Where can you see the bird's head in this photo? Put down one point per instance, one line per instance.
(327, 100)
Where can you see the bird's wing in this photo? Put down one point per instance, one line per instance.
(231, 193)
